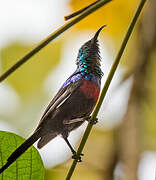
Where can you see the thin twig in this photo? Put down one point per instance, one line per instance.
(79, 11)
(106, 86)
(51, 37)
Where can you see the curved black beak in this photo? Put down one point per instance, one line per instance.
(94, 39)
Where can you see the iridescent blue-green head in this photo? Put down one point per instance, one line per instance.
(88, 59)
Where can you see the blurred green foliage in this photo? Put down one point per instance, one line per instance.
(28, 79)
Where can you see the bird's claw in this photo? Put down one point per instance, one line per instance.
(78, 158)
(94, 121)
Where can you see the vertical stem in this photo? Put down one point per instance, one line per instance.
(106, 86)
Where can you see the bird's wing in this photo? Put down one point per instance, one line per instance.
(62, 95)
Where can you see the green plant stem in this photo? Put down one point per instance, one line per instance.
(79, 11)
(52, 36)
(106, 86)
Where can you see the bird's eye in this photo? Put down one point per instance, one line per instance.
(85, 47)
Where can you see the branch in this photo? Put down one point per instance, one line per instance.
(52, 36)
(106, 86)
(79, 11)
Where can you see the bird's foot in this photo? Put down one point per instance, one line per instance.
(93, 121)
(77, 157)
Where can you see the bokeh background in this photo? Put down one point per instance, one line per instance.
(123, 144)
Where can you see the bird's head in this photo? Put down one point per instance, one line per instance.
(88, 59)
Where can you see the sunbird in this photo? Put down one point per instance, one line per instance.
(73, 103)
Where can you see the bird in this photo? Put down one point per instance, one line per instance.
(73, 103)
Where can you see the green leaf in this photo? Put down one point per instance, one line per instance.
(27, 166)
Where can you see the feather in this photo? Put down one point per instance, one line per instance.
(62, 95)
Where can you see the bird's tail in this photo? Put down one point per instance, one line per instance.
(21, 149)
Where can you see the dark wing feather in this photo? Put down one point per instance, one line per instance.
(59, 98)
(56, 97)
